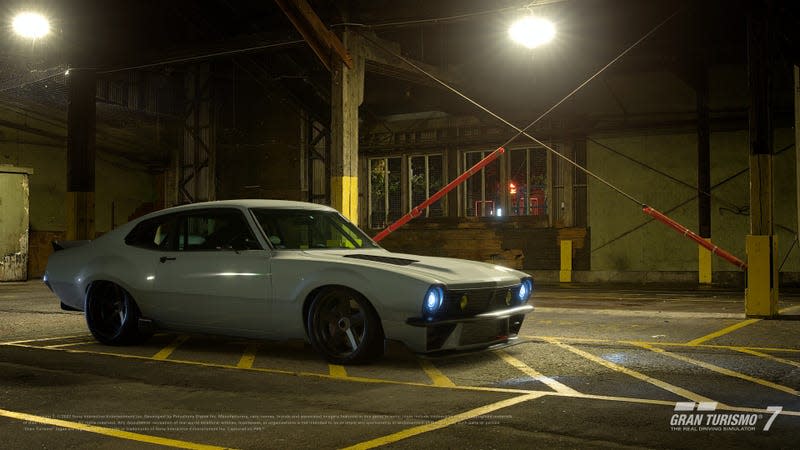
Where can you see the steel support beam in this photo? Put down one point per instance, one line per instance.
(323, 41)
(761, 295)
(347, 93)
(81, 153)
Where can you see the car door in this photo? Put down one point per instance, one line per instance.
(214, 275)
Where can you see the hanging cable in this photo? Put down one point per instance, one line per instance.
(523, 131)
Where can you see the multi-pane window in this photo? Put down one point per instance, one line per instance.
(482, 195)
(527, 182)
(385, 194)
(425, 178)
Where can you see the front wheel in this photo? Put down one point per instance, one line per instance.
(344, 327)
(112, 315)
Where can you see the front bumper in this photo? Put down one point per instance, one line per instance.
(474, 332)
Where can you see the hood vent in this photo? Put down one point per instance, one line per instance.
(384, 259)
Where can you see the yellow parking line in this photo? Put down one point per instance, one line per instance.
(723, 331)
(91, 341)
(166, 351)
(249, 356)
(571, 339)
(26, 341)
(443, 423)
(289, 372)
(722, 370)
(658, 343)
(725, 347)
(120, 434)
(766, 356)
(337, 371)
(533, 373)
(436, 376)
(788, 308)
(616, 367)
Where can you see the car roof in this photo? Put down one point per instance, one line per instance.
(243, 203)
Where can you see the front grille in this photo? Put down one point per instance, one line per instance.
(466, 303)
(484, 332)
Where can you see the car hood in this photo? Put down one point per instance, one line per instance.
(455, 273)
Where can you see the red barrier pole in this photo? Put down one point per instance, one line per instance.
(417, 210)
(661, 217)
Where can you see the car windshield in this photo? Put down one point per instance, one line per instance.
(304, 229)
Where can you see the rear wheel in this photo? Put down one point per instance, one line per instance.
(112, 315)
(344, 327)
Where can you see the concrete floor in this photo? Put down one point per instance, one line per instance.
(600, 367)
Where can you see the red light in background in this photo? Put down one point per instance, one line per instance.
(512, 188)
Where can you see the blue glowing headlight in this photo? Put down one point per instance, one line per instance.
(433, 299)
(525, 290)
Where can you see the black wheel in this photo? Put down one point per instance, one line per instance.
(344, 327)
(112, 315)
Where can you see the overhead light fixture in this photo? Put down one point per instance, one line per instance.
(532, 31)
(31, 25)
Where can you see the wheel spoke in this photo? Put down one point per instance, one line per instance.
(352, 339)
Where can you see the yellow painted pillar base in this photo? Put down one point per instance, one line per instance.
(565, 275)
(761, 295)
(344, 196)
(80, 216)
(704, 264)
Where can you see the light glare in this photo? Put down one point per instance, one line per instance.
(532, 31)
(31, 25)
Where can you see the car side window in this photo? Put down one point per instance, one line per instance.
(155, 234)
(215, 230)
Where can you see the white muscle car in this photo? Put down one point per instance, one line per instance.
(282, 270)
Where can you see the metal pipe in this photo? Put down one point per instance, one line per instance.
(661, 217)
(417, 210)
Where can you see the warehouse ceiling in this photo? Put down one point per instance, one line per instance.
(465, 39)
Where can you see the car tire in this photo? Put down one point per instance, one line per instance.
(112, 315)
(344, 327)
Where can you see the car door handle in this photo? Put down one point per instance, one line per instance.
(164, 259)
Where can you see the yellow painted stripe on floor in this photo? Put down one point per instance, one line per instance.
(249, 356)
(166, 351)
(443, 423)
(658, 343)
(120, 434)
(648, 379)
(722, 370)
(26, 341)
(726, 347)
(533, 373)
(436, 375)
(723, 331)
(70, 344)
(766, 356)
(291, 373)
(789, 309)
(337, 371)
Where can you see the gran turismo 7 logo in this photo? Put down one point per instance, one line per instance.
(702, 416)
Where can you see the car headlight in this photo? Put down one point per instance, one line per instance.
(433, 299)
(525, 290)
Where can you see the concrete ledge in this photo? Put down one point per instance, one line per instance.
(726, 278)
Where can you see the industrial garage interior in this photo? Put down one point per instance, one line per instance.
(648, 182)
(230, 101)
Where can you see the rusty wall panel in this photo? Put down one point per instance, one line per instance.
(14, 211)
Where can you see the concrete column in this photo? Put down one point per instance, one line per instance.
(797, 139)
(81, 122)
(703, 173)
(347, 93)
(761, 295)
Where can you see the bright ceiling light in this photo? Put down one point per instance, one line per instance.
(31, 25)
(532, 31)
